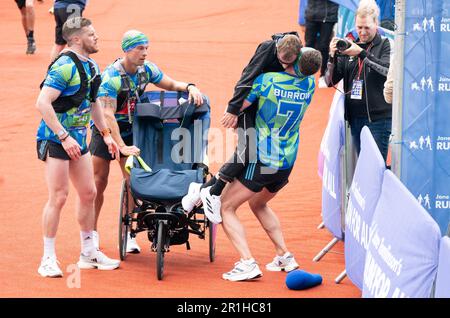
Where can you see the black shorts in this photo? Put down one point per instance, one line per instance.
(241, 156)
(61, 16)
(257, 176)
(48, 148)
(20, 3)
(98, 147)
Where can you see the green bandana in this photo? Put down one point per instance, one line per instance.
(133, 38)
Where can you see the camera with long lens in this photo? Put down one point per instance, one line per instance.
(343, 44)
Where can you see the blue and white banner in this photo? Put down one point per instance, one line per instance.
(364, 194)
(402, 257)
(425, 153)
(331, 147)
(346, 20)
(335, 114)
(352, 5)
(443, 275)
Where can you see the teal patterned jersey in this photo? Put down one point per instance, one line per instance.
(111, 83)
(282, 101)
(64, 77)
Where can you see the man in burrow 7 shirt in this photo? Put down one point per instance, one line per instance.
(283, 99)
(271, 56)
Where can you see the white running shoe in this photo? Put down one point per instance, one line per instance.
(132, 245)
(192, 198)
(243, 270)
(285, 263)
(96, 238)
(49, 268)
(97, 260)
(322, 83)
(211, 205)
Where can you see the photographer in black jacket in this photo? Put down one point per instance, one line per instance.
(364, 66)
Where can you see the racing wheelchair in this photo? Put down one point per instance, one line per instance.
(172, 136)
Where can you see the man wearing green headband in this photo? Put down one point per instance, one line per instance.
(122, 82)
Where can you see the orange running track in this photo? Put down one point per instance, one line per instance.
(201, 41)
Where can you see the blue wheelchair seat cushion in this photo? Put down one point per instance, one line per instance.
(163, 184)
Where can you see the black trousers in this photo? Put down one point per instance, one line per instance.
(318, 35)
(246, 148)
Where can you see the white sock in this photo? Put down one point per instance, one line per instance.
(49, 247)
(248, 261)
(87, 242)
(96, 239)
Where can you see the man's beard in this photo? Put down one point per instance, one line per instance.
(90, 49)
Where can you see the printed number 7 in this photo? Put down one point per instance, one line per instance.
(293, 113)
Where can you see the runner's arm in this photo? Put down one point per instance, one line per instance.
(98, 116)
(172, 85)
(110, 107)
(44, 104)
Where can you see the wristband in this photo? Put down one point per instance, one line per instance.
(65, 137)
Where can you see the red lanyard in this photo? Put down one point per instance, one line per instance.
(360, 66)
(361, 62)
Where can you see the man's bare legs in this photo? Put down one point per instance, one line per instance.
(58, 172)
(101, 174)
(57, 176)
(28, 18)
(80, 172)
(268, 219)
(81, 175)
(233, 196)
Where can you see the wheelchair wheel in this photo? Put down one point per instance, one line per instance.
(160, 249)
(124, 221)
(212, 241)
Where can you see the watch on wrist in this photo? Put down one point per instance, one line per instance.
(188, 85)
(105, 132)
(61, 133)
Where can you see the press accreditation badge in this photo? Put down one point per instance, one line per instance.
(357, 88)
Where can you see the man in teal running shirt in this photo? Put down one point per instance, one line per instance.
(283, 98)
(66, 102)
